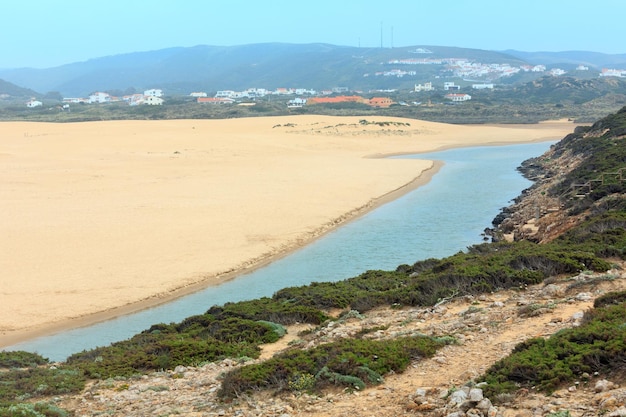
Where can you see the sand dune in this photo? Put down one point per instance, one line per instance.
(101, 218)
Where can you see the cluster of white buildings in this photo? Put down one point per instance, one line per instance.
(448, 86)
(231, 96)
(467, 69)
(606, 72)
(252, 93)
(152, 97)
(393, 73)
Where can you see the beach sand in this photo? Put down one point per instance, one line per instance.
(100, 219)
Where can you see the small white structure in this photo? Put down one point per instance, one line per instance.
(450, 86)
(134, 99)
(198, 94)
(556, 72)
(458, 97)
(611, 72)
(256, 92)
(74, 100)
(225, 94)
(154, 92)
(296, 103)
(33, 103)
(99, 97)
(425, 87)
(482, 86)
(153, 101)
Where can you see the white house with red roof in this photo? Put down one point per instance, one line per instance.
(457, 97)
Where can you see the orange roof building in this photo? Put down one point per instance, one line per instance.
(338, 99)
(380, 102)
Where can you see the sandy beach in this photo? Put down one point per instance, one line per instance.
(100, 219)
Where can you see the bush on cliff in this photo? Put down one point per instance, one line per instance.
(598, 345)
(353, 363)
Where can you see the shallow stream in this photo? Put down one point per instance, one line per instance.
(438, 219)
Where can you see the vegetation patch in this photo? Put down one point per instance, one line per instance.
(598, 345)
(353, 364)
(38, 409)
(21, 359)
(20, 384)
(195, 340)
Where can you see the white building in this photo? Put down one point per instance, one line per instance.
(153, 101)
(74, 100)
(257, 92)
(610, 72)
(198, 94)
(425, 87)
(134, 99)
(33, 103)
(458, 97)
(99, 97)
(225, 94)
(482, 86)
(450, 86)
(154, 92)
(556, 72)
(296, 103)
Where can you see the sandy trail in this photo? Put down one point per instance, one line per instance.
(103, 218)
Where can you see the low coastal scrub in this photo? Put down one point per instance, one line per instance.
(271, 309)
(353, 364)
(27, 377)
(195, 340)
(20, 359)
(483, 268)
(597, 346)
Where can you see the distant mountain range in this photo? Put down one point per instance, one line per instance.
(273, 65)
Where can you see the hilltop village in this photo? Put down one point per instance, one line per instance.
(469, 74)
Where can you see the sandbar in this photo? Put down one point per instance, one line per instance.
(100, 219)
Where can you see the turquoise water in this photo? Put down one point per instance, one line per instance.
(439, 219)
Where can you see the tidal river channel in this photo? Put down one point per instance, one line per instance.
(438, 219)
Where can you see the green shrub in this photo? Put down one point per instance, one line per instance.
(21, 359)
(195, 340)
(609, 299)
(345, 362)
(597, 345)
(302, 382)
(18, 384)
(40, 409)
(281, 311)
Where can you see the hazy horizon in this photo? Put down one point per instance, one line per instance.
(45, 35)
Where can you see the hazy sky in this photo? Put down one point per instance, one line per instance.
(45, 33)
